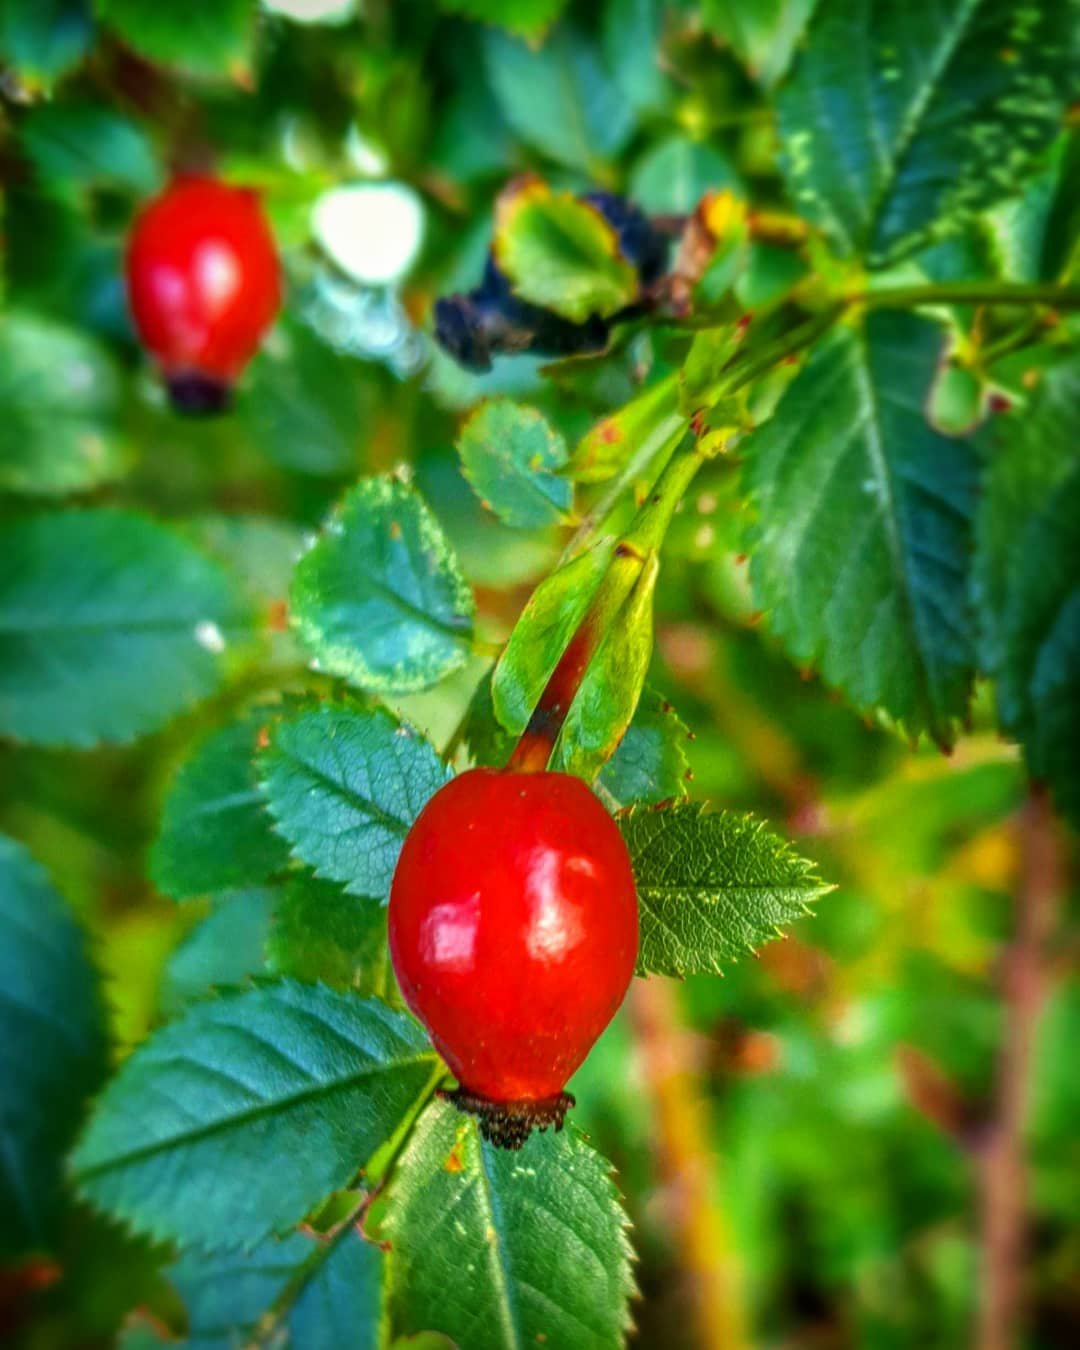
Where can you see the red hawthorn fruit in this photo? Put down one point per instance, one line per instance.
(204, 285)
(513, 934)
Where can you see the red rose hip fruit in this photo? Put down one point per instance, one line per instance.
(204, 285)
(513, 934)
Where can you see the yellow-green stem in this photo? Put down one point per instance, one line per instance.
(637, 550)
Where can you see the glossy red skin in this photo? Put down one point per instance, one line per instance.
(513, 928)
(203, 278)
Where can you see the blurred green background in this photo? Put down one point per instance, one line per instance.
(803, 1134)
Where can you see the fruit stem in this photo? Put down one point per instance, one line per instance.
(1004, 1181)
(634, 554)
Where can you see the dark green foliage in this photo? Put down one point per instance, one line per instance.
(215, 830)
(819, 262)
(380, 599)
(78, 146)
(60, 396)
(650, 764)
(109, 625)
(221, 950)
(321, 932)
(344, 784)
(940, 111)
(862, 532)
(1027, 579)
(493, 1247)
(43, 39)
(187, 1140)
(712, 887)
(51, 1027)
(321, 1293)
(204, 38)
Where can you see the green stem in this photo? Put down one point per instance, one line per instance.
(750, 365)
(971, 293)
(650, 525)
(640, 545)
(378, 1168)
(649, 457)
(268, 1325)
(1012, 341)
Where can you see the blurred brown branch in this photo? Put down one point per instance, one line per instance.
(937, 1097)
(1002, 1168)
(687, 1165)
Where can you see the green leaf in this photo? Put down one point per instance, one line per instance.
(54, 263)
(344, 784)
(490, 553)
(109, 625)
(636, 432)
(957, 402)
(1028, 236)
(51, 1030)
(546, 625)
(899, 122)
(60, 395)
(321, 932)
(499, 1250)
(1032, 453)
(701, 380)
(43, 39)
(224, 949)
(1027, 580)
(201, 37)
(306, 406)
(235, 1121)
(711, 886)
(530, 18)
(508, 452)
(380, 600)
(215, 832)
(471, 142)
(762, 274)
(80, 145)
(862, 539)
(632, 38)
(318, 1294)
(650, 764)
(763, 34)
(608, 695)
(558, 98)
(673, 175)
(560, 253)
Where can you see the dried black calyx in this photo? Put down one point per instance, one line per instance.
(198, 395)
(490, 319)
(509, 1124)
(640, 242)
